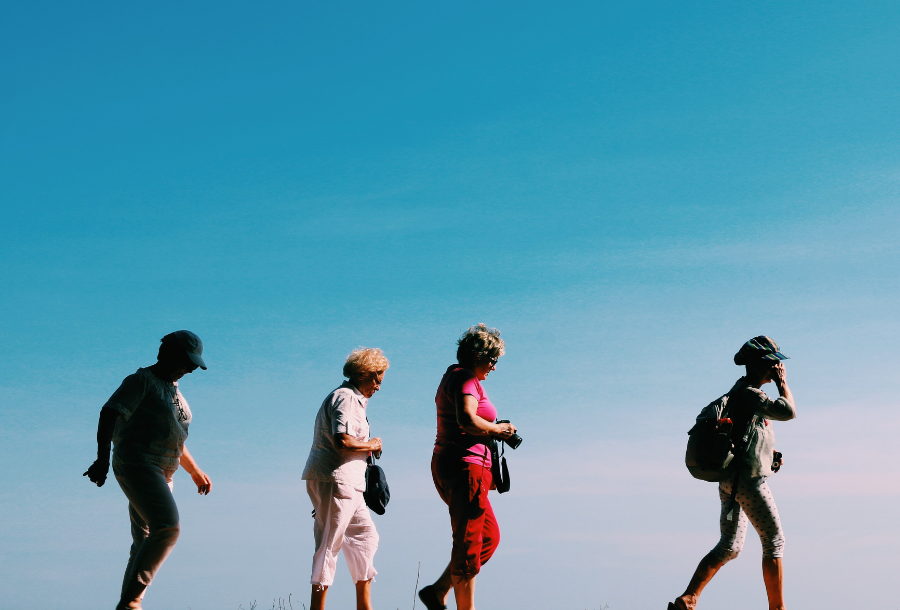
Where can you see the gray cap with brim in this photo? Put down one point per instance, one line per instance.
(190, 343)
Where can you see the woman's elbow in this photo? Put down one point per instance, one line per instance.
(788, 414)
(470, 428)
(342, 442)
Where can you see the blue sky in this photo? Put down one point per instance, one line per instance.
(628, 192)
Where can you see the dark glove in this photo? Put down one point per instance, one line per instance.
(98, 472)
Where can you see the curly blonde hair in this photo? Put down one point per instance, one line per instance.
(479, 344)
(363, 361)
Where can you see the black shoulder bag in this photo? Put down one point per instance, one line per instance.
(499, 471)
(377, 493)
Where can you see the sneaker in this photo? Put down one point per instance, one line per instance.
(429, 598)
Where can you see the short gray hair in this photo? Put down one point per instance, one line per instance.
(479, 344)
(364, 360)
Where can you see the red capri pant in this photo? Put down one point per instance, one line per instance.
(464, 488)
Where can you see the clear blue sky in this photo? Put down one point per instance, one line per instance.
(628, 191)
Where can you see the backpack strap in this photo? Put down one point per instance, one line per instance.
(739, 462)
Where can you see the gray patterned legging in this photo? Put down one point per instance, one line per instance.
(757, 504)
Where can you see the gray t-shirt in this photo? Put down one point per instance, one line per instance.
(744, 401)
(153, 421)
(342, 412)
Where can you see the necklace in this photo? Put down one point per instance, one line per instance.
(182, 416)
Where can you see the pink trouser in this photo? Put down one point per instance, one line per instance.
(342, 522)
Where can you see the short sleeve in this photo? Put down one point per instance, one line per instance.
(128, 397)
(471, 386)
(340, 414)
(779, 410)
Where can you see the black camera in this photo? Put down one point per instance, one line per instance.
(777, 460)
(513, 441)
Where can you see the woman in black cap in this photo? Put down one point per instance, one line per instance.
(750, 409)
(147, 421)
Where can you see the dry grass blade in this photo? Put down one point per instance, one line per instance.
(416, 589)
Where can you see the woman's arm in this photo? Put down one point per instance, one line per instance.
(345, 442)
(781, 382)
(471, 423)
(99, 470)
(203, 483)
(782, 409)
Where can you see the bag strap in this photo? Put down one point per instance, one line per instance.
(739, 462)
(732, 501)
(370, 459)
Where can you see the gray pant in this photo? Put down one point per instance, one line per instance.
(756, 504)
(154, 521)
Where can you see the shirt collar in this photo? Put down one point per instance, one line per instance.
(356, 391)
(146, 371)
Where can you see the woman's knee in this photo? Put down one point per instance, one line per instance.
(773, 547)
(490, 537)
(727, 552)
(168, 533)
(728, 555)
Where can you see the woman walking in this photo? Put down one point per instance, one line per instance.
(335, 479)
(461, 465)
(750, 407)
(147, 421)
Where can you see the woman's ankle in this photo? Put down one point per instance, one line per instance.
(689, 600)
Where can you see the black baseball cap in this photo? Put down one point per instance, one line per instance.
(190, 343)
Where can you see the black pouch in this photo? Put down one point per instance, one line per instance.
(377, 494)
(499, 471)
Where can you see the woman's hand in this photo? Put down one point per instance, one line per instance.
(504, 431)
(98, 471)
(202, 481)
(779, 374)
(345, 442)
(204, 485)
(375, 445)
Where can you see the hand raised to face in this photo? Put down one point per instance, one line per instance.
(779, 374)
